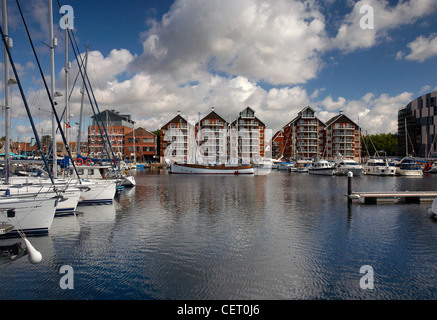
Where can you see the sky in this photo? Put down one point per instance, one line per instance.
(153, 58)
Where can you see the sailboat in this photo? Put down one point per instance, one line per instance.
(230, 168)
(26, 213)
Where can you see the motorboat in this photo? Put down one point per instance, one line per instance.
(322, 167)
(344, 166)
(408, 167)
(379, 167)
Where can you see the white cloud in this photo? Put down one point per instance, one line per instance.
(256, 39)
(387, 17)
(374, 114)
(423, 48)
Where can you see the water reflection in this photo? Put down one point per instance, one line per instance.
(276, 236)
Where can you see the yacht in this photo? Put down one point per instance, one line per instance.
(408, 167)
(379, 167)
(344, 166)
(322, 167)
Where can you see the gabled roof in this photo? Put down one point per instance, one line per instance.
(342, 118)
(140, 132)
(177, 119)
(111, 115)
(299, 115)
(212, 116)
(255, 118)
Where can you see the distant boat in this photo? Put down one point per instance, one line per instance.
(322, 167)
(343, 166)
(408, 167)
(430, 167)
(303, 166)
(379, 167)
(185, 168)
(264, 164)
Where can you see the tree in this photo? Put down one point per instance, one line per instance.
(383, 144)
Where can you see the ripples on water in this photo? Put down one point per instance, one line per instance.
(277, 236)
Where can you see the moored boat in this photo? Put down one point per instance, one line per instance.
(322, 167)
(186, 168)
(379, 167)
(344, 166)
(408, 167)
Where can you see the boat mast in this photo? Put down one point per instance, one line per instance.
(67, 107)
(7, 98)
(53, 43)
(79, 135)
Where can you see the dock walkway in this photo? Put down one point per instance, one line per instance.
(389, 196)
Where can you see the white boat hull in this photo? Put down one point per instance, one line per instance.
(31, 215)
(321, 171)
(344, 171)
(380, 171)
(203, 169)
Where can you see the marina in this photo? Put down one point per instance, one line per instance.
(270, 235)
(239, 194)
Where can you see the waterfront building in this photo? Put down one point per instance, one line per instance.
(278, 145)
(251, 135)
(174, 142)
(343, 137)
(417, 122)
(117, 127)
(304, 136)
(211, 138)
(140, 145)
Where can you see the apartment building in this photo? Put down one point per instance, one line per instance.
(175, 142)
(343, 137)
(211, 138)
(417, 132)
(304, 136)
(117, 126)
(251, 136)
(141, 146)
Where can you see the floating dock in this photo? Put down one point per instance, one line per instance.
(394, 196)
(390, 196)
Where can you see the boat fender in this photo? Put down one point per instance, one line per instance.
(35, 256)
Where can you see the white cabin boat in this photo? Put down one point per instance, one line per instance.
(344, 166)
(379, 167)
(322, 167)
(408, 167)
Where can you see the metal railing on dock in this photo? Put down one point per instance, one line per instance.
(389, 196)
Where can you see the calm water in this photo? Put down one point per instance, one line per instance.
(277, 236)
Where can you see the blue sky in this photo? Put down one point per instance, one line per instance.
(152, 58)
